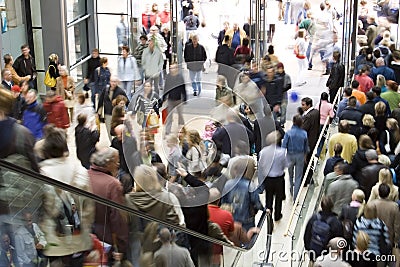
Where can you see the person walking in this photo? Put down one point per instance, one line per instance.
(152, 62)
(195, 56)
(336, 77)
(128, 71)
(272, 176)
(295, 142)
(175, 94)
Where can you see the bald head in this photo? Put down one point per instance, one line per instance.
(165, 235)
(214, 196)
(380, 62)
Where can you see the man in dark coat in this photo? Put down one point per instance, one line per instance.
(92, 64)
(195, 56)
(353, 116)
(311, 126)
(336, 77)
(85, 140)
(230, 133)
(369, 106)
(225, 59)
(7, 79)
(25, 65)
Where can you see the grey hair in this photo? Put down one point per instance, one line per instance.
(65, 68)
(222, 80)
(102, 156)
(273, 138)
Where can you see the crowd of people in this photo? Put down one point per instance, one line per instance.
(208, 182)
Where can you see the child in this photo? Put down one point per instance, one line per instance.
(207, 135)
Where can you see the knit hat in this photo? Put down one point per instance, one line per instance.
(16, 88)
(279, 65)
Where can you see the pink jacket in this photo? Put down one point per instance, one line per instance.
(325, 111)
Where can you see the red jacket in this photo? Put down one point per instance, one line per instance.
(57, 113)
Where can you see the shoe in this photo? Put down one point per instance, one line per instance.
(309, 68)
(278, 218)
(326, 73)
(86, 95)
(195, 93)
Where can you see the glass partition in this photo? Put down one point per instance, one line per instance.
(43, 218)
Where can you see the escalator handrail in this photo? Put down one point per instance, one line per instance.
(309, 166)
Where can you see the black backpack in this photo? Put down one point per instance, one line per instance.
(191, 22)
(320, 235)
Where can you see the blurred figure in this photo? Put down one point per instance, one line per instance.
(30, 243)
(56, 110)
(128, 71)
(8, 254)
(54, 67)
(66, 219)
(171, 254)
(8, 64)
(18, 104)
(195, 56)
(92, 64)
(86, 139)
(34, 116)
(152, 62)
(122, 34)
(101, 78)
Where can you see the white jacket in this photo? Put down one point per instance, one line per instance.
(72, 173)
(128, 70)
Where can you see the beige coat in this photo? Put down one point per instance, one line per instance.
(242, 34)
(393, 195)
(61, 91)
(70, 172)
(388, 212)
(15, 77)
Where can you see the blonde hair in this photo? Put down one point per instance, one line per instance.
(385, 160)
(146, 179)
(370, 211)
(172, 138)
(359, 196)
(380, 108)
(53, 57)
(362, 241)
(380, 81)
(394, 125)
(385, 177)
(194, 137)
(368, 120)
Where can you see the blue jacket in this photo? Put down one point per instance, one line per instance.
(35, 118)
(295, 141)
(387, 72)
(237, 193)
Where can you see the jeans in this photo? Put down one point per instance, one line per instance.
(295, 169)
(283, 108)
(155, 79)
(127, 86)
(321, 143)
(286, 16)
(308, 54)
(93, 97)
(195, 77)
(173, 105)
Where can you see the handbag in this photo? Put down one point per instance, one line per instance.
(387, 145)
(152, 120)
(68, 94)
(140, 117)
(48, 80)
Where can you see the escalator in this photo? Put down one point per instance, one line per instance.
(24, 192)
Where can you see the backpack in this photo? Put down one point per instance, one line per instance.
(320, 235)
(48, 80)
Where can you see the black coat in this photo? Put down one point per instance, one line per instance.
(274, 91)
(311, 126)
(224, 55)
(195, 56)
(358, 162)
(336, 78)
(369, 177)
(85, 141)
(92, 64)
(262, 128)
(104, 99)
(368, 108)
(6, 86)
(354, 116)
(20, 67)
(234, 131)
(17, 108)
